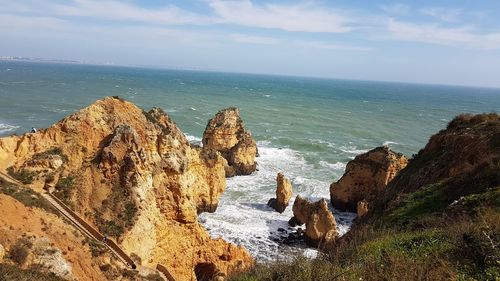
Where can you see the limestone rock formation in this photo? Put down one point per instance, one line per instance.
(226, 133)
(365, 177)
(134, 175)
(362, 208)
(317, 217)
(283, 194)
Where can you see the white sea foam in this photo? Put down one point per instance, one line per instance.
(5, 128)
(388, 143)
(194, 140)
(336, 166)
(244, 218)
(192, 108)
(352, 149)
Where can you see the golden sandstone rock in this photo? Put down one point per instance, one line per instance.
(318, 219)
(226, 133)
(134, 175)
(283, 194)
(365, 177)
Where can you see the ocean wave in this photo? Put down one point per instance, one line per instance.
(388, 143)
(194, 140)
(352, 149)
(336, 166)
(243, 217)
(5, 128)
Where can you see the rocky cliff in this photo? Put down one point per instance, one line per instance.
(439, 216)
(365, 177)
(226, 133)
(134, 175)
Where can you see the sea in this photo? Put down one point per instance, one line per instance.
(307, 128)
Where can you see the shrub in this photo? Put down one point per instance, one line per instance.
(24, 176)
(48, 153)
(20, 251)
(64, 189)
(11, 272)
(26, 196)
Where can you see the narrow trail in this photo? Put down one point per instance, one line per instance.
(88, 230)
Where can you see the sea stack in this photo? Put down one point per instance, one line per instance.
(283, 194)
(365, 177)
(320, 222)
(226, 134)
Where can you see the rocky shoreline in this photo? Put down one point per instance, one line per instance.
(134, 176)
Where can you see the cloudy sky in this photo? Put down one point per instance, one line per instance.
(444, 42)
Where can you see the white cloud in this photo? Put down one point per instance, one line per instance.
(115, 10)
(465, 36)
(251, 39)
(443, 14)
(319, 45)
(296, 17)
(396, 9)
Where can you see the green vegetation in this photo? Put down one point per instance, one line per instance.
(26, 196)
(10, 272)
(64, 189)
(24, 176)
(122, 207)
(20, 251)
(464, 249)
(51, 152)
(96, 248)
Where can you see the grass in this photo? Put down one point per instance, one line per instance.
(24, 176)
(464, 248)
(10, 272)
(26, 196)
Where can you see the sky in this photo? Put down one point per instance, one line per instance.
(441, 42)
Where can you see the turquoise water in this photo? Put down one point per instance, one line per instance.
(308, 128)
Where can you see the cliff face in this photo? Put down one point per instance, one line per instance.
(460, 160)
(226, 133)
(365, 177)
(134, 175)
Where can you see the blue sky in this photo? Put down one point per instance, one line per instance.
(444, 42)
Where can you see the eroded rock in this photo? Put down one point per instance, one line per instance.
(226, 133)
(283, 194)
(135, 176)
(365, 177)
(317, 217)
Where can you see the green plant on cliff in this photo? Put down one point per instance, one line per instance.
(48, 153)
(429, 224)
(22, 175)
(11, 272)
(64, 189)
(26, 196)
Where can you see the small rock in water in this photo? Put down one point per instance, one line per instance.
(281, 230)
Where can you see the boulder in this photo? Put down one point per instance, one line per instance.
(365, 177)
(226, 134)
(283, 194)
(317, 217)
